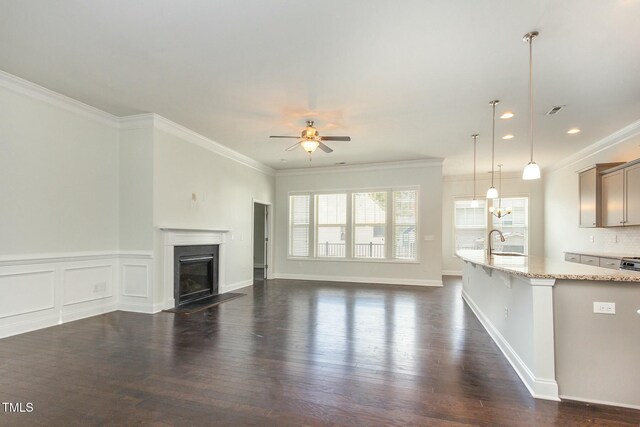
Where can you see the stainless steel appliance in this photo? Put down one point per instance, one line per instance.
(630, 263)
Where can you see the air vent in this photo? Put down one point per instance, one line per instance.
(555, 110)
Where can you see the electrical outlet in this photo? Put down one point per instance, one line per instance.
(591, 239)
(506, 313)
(100, 287)
(604, 307)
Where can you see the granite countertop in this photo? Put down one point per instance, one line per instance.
(546, 268)
(603, 254)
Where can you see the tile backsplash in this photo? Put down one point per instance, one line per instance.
(621, 240)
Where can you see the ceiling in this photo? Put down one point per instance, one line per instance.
(406, 80)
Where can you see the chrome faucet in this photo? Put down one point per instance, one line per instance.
(489, 250)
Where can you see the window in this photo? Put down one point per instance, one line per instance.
(471, 230)
(514, 227)
(470, 225)
(331, 225)
(299, 207)
(404, 224)
(354, 224)
(369, 224)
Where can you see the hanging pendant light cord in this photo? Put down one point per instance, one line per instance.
(531, 95)
(493, 141)
(475, 142)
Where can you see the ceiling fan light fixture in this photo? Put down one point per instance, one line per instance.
(310, 145)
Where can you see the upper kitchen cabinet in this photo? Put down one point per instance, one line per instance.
(632, 195)
(621, 195)
(591, 195)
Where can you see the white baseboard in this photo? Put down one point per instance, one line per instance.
(237, 285)
(32, 324)
(600, 402)
(77, 313)
(539, 388)
(352, 279)
(452, 272)
(142, 307)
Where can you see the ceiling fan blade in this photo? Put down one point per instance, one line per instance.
(280, 136)
(324, 147)
(335, 138)
(293, 147)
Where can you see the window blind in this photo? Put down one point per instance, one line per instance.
(405, 224)
(369, 224)
(299, 215)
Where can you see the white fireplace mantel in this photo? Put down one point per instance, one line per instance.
(172, 237)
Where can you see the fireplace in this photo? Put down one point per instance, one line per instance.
(195, 272)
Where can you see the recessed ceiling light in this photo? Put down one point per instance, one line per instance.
(573, 131)
(508, 136)
(507, 115)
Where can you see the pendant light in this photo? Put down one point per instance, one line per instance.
(474, 202)
(492, 193)
(532, 170)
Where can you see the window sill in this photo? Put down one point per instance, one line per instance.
(361, 260)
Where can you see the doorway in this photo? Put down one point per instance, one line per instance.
(260, 241)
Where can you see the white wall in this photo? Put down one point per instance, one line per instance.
(562, 207)
(59, 185)
(82, 193)
(426, 175)
(224, 190)
(136, 188)
(456, 187)
(58, 178)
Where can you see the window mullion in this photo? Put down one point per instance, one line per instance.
(349, 227)
(389, 228)
(312, 226)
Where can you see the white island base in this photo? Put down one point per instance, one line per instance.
(539, 312)
(518, 314)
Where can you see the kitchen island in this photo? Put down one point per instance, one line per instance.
(540, 312)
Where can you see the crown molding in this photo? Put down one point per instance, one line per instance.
(209, 144)
(138, 121)
(607, 142)
(32, 90)
(481, 176)
(365, 167)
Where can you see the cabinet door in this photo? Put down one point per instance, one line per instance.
(632, 195)
(613, 199)
(588, 198)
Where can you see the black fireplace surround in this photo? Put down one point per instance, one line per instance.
(195, 272)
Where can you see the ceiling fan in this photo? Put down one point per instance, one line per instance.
(310, 139)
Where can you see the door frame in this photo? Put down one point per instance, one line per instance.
(269, 230)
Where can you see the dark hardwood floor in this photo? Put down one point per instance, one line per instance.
(288, 353)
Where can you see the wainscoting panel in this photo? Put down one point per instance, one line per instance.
(26, 291)
(136, 291)
(83, 283)
(135, 280)
(42, 290)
